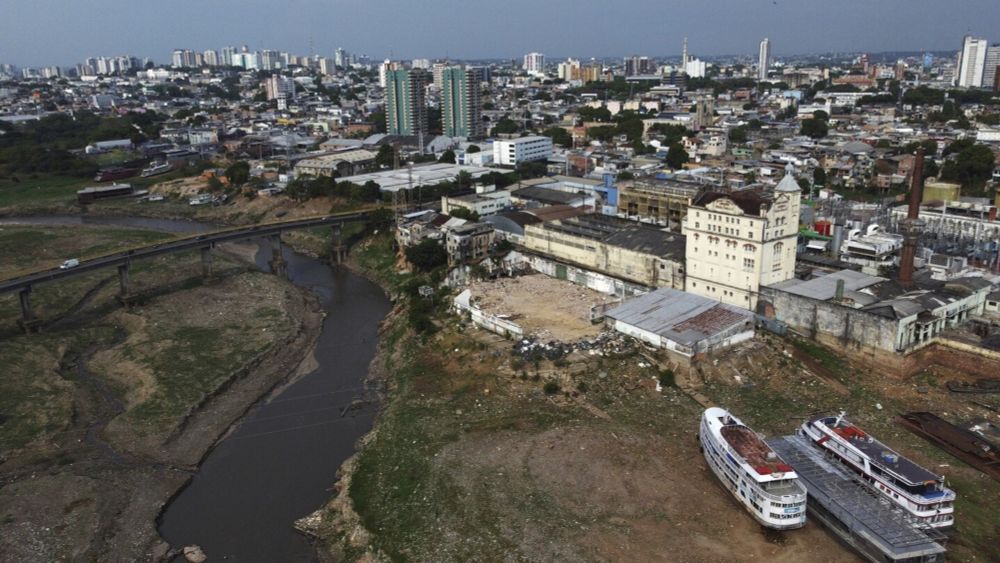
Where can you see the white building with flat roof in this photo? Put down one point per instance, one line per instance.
(511, 152)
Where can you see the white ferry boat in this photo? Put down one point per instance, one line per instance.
(155, 169)
(764, 484)
(918, 491)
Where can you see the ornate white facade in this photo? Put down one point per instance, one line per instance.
(741, 240)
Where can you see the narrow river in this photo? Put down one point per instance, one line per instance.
(279, 464)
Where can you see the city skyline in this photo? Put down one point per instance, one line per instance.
(724, 27)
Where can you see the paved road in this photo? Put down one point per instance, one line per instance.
(178, 245)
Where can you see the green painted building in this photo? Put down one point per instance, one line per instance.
(405, 102)
(461, 102)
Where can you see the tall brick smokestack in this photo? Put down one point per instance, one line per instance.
(912, 225)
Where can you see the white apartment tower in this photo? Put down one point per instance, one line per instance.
(534, 63)
(739, 241)
(972, 62)
(992, 62)
(764, 59)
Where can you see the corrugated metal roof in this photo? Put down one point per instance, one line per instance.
(825, 287)
(682, 317)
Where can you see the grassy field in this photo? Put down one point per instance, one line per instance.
(36, 390)
(40, 191)
(183, 340)
(30, 247)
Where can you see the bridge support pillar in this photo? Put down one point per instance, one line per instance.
(278, 264)
(125, 283)
(338, 250)
(206, 261)
(29, 323)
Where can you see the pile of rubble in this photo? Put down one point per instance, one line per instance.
(606, 343)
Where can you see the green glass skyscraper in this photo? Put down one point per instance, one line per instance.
(461, 102)
(405, 103)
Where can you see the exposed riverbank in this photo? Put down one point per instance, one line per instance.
(89, 481)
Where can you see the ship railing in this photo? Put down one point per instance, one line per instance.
(791, 497)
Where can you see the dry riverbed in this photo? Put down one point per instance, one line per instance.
(107, 412)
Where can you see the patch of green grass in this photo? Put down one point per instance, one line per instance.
(35, 399)
(40, 191)
(826, 357)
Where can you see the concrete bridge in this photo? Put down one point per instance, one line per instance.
(204, 242)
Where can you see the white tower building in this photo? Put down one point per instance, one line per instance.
(739, 241)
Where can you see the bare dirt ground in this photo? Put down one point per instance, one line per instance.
(543, 306)
(473, 460)
(626, 496)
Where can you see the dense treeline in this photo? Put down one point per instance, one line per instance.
(43, 146)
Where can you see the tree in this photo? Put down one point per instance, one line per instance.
(377, 119)
(448, 157)
(814, 128)
(559, 136)
(463, 180)
(386, 157)
(930, 147)
(238, 173)
(971, 166)
(588, 113)
(626, 175)
(463, 213)
(677, 157)
(738, 135)
(473, 149)
(427, 255)
(506, 126)
(819, 176)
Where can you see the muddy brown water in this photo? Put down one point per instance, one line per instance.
(280, 462)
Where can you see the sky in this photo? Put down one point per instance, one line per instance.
(64, 32)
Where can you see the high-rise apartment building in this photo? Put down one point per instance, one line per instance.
(638, 66)
(405, 102)
(569, 70)
(461, 103)
(279, 87)
(738, 241)
(990, 67)
(327, 66)
(210, 57)
(534, 63)
(593, 72)
(182, 58)
(764, 59)
(384, 69)
(972, 62)
(340, 57)
(227, 55)
(269, 60)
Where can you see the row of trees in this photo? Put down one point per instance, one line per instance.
(309, 187)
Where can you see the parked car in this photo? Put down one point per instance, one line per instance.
(71, 263)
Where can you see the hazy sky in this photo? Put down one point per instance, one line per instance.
(43, 32)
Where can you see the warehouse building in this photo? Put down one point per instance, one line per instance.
(686, 324)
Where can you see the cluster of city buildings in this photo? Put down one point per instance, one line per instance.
(733, 181)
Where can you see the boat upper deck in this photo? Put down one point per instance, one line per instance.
(881, 454)
(749, 445)
(860, 510)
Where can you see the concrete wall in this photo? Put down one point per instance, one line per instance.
(492, 323)
(645, 269)
(832, 324)
(592, 280)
